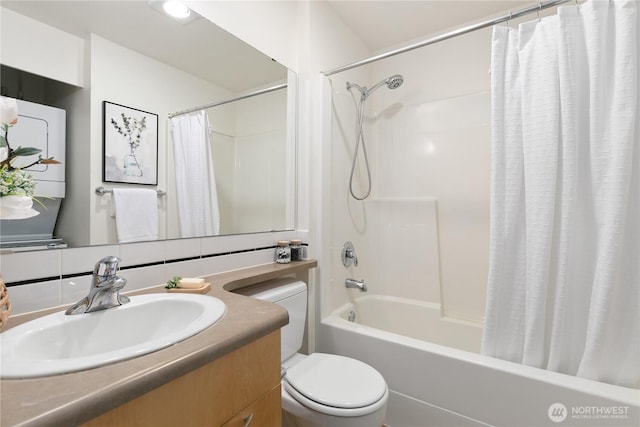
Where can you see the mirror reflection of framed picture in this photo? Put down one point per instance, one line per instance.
(130, 145)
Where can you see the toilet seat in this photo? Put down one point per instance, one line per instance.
(336, 385)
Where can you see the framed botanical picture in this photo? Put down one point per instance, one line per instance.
(130, 145)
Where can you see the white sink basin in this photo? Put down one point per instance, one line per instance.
(59, 343)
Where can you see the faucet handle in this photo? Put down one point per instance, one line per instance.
(107, 266)
(349, 255)
(117, 283)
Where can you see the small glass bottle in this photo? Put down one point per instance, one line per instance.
(283, 252)
(296, 250)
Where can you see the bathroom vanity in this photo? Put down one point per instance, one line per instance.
(228, 374)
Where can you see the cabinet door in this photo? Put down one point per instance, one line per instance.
(208, 396)
(264, 412)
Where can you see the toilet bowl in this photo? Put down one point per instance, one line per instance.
(330, 390)
(321, 390)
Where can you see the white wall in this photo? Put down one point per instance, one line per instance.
(125, 77)
(269, 26)
(45, 46)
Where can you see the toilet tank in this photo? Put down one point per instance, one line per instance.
(292, 295)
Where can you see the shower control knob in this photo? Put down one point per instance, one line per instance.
(349, 255)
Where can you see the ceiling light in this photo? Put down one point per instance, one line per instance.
(176, 9)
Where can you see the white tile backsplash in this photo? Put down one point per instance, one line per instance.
(75, 288)
(181, 248)
(222, 263)
(34, 296)
(263, 256)
(141, 253)
(82, 260)
(191, 268)
(23, 266)
(146, 262)
(236, 261)
(221, 244)
(143, 277)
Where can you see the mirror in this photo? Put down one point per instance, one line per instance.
(135, 56)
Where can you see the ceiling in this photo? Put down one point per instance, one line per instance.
(203, 49)
(385, 23)
(199, 47)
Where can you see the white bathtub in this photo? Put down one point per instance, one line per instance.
(438, 379)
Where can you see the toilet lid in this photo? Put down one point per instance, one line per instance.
(336, 381)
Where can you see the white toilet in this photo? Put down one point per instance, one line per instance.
(321, 390)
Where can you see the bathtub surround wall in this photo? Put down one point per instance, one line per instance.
(406, 244)
(429, 150)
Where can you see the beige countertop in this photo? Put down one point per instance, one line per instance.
(74, 398)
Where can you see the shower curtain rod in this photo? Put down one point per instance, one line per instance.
(226, 101)
(512, 15)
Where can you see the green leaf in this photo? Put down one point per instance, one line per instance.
(3, 141)
(173, 283)
(26, 151)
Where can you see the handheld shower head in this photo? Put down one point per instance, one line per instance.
(394, 81)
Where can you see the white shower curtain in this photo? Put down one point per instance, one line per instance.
(564, 276)
(196, 194)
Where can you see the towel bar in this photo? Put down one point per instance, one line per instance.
(100, 191)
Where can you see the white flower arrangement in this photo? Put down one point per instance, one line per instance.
(15, 181)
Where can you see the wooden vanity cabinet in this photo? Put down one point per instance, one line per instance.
(239, 387)
(263, 412)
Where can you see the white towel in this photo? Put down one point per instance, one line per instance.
(136, 212)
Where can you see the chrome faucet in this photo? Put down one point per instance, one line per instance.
(104, 291)
(356, 284)
(349, 255)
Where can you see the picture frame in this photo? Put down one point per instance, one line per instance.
(130, 145)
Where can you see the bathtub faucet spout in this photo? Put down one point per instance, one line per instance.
(356, 284)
